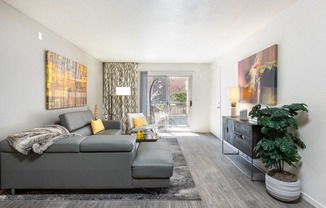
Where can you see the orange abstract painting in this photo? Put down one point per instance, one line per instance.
(66, 82)
(257, 77)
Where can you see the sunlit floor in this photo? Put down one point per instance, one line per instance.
(167, 134)
(179, 128)
(178, 131)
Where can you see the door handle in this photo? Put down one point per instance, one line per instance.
(190, 103)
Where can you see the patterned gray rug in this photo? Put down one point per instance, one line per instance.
(182, 186)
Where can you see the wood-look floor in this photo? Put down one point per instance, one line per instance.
(218, 181)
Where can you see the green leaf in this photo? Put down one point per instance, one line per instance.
(279, 142)
(267, 144)
(298, 142)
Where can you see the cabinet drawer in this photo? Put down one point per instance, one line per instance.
(243, 143)
(242, 129)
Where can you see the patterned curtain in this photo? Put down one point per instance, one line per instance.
(119, 75)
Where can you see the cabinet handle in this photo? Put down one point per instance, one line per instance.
(227, 130)
(241, 137)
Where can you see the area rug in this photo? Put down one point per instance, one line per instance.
(182, 186)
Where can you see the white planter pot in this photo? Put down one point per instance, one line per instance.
(283, 191)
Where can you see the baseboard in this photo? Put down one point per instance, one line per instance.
(311, 200)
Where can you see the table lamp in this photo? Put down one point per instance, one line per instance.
(233, 96)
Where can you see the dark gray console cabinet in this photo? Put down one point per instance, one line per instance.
(242, 135)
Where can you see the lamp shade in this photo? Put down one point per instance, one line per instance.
(234, 94)
(122, 91)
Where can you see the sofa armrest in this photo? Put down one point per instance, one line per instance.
(112, 124)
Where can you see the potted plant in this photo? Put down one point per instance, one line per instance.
(278, 146)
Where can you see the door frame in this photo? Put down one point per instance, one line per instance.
(216, 106)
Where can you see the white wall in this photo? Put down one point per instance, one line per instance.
(22, 77)
(300, 32)
(200, 89)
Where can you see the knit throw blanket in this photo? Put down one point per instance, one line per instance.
(38, 139)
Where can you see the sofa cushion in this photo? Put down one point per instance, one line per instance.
(112, 124)
(97, 126)
(76, 120)
(70, 144)
(110, 132)
(85, 131)
(153, 160)
(108, 143)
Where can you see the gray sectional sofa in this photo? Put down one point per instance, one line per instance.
(107, 160)
(80, 122)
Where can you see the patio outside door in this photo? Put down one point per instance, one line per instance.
(169, 102)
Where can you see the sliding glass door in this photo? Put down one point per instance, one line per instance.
(169, 102)
(180, 102)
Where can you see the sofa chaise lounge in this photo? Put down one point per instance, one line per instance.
(107, 160)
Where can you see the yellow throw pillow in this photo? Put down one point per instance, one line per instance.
(97, 126)
(139, 122)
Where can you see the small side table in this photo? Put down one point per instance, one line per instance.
(146, 140)
(149, 137)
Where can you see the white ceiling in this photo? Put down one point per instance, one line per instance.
(153, 31)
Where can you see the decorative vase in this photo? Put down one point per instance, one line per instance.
(96, 112)
(283, 191)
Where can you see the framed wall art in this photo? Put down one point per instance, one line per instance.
(66, 82)
(257, 77)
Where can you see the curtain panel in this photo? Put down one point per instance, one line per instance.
(119, 75)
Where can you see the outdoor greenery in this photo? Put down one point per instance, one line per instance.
(179, 97)
(279, 143)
